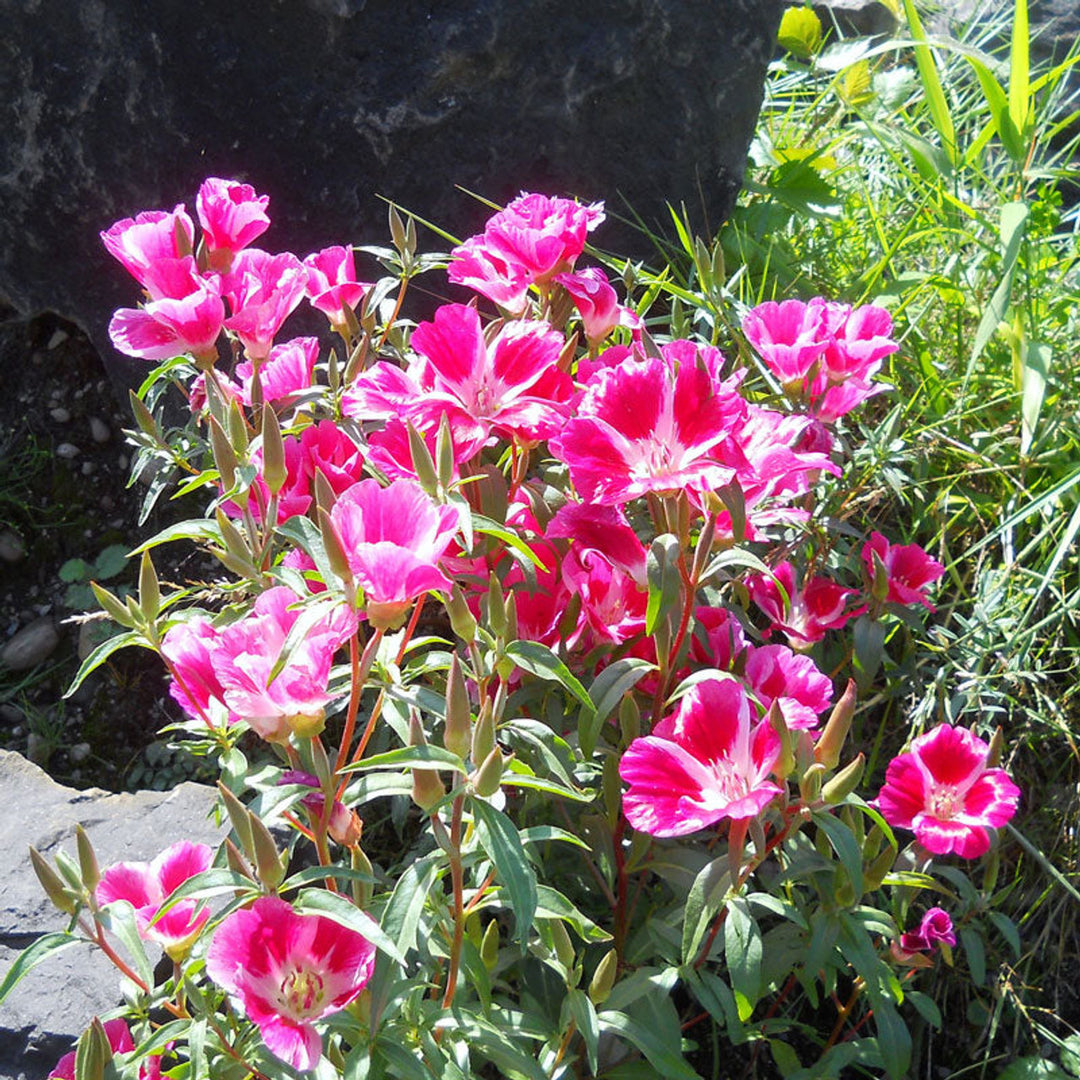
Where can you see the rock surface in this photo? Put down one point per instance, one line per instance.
(116, 106)
(55, 1002)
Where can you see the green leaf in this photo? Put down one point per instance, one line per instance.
(743, 952)
(33, 955)
(665, 583)
(488, 527)
(75, 570)
(1019, 75)
(540, 661)
(1034, 371)
(343, 911)
(800, 32)
(588, 1024)
(668, 1062)
(893, 1039)
(551, 904)
(843, 842)
(500, 1049)
(101, 654)
(119, 917)
(975, 953)
(110, 561)
(402, 915)
(412, 757)
(1032, 1068)
(499, 839)
(703, 902)
(928, 73)
(607, 690)
(216, 881)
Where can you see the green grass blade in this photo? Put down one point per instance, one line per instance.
(931, 81)
(1019, 88)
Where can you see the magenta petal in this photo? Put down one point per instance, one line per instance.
(904, 793)
(945, 837)
(135, 333)
(992, 799)
(132, 882)
(952, 755)
(179, 862)
(297, 1044)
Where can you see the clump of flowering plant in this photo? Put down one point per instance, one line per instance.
(517, 774)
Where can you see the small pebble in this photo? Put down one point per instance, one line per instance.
(60, 414)
(79, 752)
(122, 461)
(87, 468)
(38, 749)
(12, 549)
(67, 450)
(58, 338)
(30, 646)
(99, 430)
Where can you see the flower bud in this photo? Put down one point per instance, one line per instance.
(269, 865)
(483, 735)
(93, 1052)
(489, 945)
(458, 731)
(845, 781)
(361, 890)
(444, 453)
(58, 893)
(234, 860)
(275, 472)
(604, 978)
(335, 553)
(496, 607)
(486, 779)
(427, 786)
(785, 763)
(875, 873)
(112, 606)
(611, 785)
(831, 741)
(997, 745)
(307, 725)
(88, 864)
(629, 719)
(143, 417)
(810, 784)
(461, 618)
(422, 462)
(225, 460)
(239, 818)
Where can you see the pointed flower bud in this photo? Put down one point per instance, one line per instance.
(486, 779)
(845, 781)
(604, 978)
(458, 731)
(55, 889)
(269, 865)
(88, 864)
(461, 618)
(483, 735)
(829, 746)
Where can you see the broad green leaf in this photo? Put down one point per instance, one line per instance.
(800, 32)
(412, 757)
(488, 527)
(607, 690)
(588, 1024)
(668, 1062)
(401, 918)
(540, 661)
(213, 882)
(500, 840)
(716, 996)
(893, 1039)
(1032, 1068)
(931, 80)
(500, 1049)
(119, 918)
(1034, 372)
(33, 955)
(195, 529)
(551, 904)
(972, 942)
(843, 842)
(742, 952)
(102, 653)
(703, 902)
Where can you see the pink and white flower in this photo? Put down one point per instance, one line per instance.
(704, 762)
(120, 1042)
(393, 538)
(943, 791)
(935, 928)
(777, 674)
(146, 886)
(597, 303)
(140, 243)
(808, 612)
(232, 216)
(263, 290)
(332, 287)
(788, 336)
(285, 971)
(908, 569)
(651, 425)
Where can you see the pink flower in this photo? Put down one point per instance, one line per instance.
(246, 652)
(327, 449)
(154, 235)
(789, 337)
(908, 567)
(529, 242)
(943, 791)
(332, 287)
(294, 498)
(649, 425)
(776, 674)
(393, 538)
(146, 886)
(187, 322)
(858, 343)
(232, 217)
(597, 303)
(262, 290)
(936, 927)
(704, 762)
(344, 825)
(718, 639)
(287, 370)
(808, 612)
(512, 386)
(120, 1042)
(187, 647)
(286, 971)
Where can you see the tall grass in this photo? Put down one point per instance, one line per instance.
(927, 174)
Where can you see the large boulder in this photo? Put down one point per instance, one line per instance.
(115, 106)
(58, 999)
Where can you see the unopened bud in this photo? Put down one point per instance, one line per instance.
(604, 978)
(225, 460)
(55, 889)
(239, 818)
(785, 763)
(235, 860)
(629, 719)
(486, 779)
(335, 551)
(143, 417)
(112, 606)
(997, 746)
(810, 784)
(93, 1052)
(458, 731)
(875, 873)
(274, 471)
(427, 786)
(489, 945)
(462, 621)
(269, 865)
(88, 864)
(496, 608)
(612, 788)
(361, 890)
(422, 462)
(444, 453)
(830, 743)
(483, 735)
(149, 589)
(845, 781)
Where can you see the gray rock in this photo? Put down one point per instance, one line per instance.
(328, 106)
(67, 450)
(60, 414)
(99, 430)
(56, 1001)
(859, 18)
(30, 646)
(12, 549)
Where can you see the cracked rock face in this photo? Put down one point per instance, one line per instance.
(116, 106)
(54, 1003)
